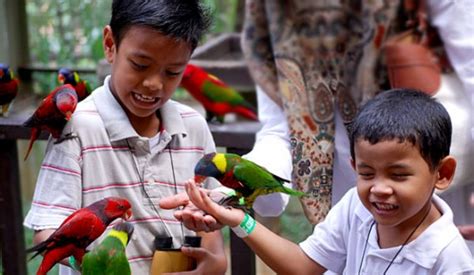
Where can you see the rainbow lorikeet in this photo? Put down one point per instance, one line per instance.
(8, 87)
(82, 87)
(248, 179)
(217, 98)
(52, 114)
(79, 230)
(109, 257)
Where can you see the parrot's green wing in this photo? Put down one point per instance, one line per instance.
(108, 258)
(223, 94)
(256, 177)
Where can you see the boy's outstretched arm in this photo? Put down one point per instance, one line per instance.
(271, 248)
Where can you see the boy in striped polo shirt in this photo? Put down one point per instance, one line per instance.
(128, 139)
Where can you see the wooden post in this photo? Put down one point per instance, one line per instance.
(241, 256)
(13, 33)
(11, 216)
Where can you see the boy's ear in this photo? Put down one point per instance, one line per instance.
(109, 44)
(445, 172)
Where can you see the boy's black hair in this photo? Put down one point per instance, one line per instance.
(181, 19)
(405, 115)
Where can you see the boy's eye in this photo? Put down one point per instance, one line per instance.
(400, 176)
(138, 66)
(366, 175)
(173, 73)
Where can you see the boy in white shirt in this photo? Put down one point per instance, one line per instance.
(391, 222)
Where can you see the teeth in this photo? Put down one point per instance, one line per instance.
(144, 98)
(384, 206)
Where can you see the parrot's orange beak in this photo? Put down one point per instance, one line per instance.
(68, 115)
(199, 179)
(61, 78)
(127, 215)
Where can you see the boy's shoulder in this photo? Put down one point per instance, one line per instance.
(190, 116)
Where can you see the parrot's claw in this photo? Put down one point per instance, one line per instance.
(69, 135)
(232, 202)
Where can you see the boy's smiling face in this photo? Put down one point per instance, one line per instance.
(147, 67)
(394, 182)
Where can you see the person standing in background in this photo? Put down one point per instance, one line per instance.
(314, 63)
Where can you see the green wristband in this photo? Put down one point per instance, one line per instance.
(245, 227)
(73, 263)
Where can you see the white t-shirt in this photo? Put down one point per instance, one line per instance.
(338, 244)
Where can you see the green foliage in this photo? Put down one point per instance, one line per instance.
(69, 33)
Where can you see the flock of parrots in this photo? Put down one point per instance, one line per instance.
(82, 227)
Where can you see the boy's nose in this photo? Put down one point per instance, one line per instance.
(153, 82)
(381, 188)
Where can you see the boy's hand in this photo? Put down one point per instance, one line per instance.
(192, 217)
(207, 262)
(467, 231)
(200, 199)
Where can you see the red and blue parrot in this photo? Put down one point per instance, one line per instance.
(79, 230)
(8, 87)
(52, 114)
(217, 97)
(82, 87)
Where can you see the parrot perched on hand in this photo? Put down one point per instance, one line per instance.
(109, 257)
(52, 114)
(79, 230)
(82, 87)
(248, 179)
(8, 87)
(217, 97)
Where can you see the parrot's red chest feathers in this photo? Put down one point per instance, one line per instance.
(229, 181)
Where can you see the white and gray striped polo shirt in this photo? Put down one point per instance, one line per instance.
(108, 158)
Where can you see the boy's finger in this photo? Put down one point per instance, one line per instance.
(177, 200)
(197, 253)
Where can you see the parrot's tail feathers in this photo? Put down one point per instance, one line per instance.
(34, 135)
(39, 248)
(246, 112)
(292, 192)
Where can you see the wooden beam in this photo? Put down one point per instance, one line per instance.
(11, 216)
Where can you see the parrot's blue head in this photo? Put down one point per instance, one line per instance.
(5, 73)
(66, 76)
(207, 167)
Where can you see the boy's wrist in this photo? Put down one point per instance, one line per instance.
(246, 226)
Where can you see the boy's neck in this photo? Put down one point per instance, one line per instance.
(389, 236)
(146, 127)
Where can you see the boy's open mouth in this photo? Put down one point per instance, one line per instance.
(384, 206)
(144, 98)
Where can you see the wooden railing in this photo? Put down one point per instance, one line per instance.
(237, 137)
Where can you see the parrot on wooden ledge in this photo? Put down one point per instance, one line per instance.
(248, 179)
(82, 87)
(8, 87)
(217, 97)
